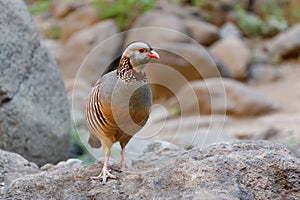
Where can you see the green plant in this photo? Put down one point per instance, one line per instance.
(268, 23)
(39, 6)
(250, 24)
(55, 34)
(86, 157)
(273, 15)
(201, 3)
(124, 11)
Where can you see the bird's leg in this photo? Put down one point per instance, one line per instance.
(122, 162)
(105, 172)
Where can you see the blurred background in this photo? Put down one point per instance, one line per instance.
(247, 51)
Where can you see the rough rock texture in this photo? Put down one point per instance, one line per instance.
(287, 43)
(234, 54)
(233, 170)
(201, 31)
(55, 48)
(34, 112)
(13, 166)
(221, 96)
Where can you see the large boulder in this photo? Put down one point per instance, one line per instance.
(34, 111)
(13, 166)
(287, 43)
(232, 170)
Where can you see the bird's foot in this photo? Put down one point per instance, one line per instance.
(122, 166)
(105, 173)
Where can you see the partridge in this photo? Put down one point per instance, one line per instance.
(119, 104)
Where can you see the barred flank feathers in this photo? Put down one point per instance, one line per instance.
(96, 121)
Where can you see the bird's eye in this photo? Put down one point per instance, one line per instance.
(142, 50)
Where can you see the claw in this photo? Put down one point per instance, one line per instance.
(105, 173)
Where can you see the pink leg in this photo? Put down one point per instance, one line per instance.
(105, 172)
(122, 162)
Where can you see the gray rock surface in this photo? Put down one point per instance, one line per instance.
(287, 43)
(13, 166)
(232, 170)
(34, 112)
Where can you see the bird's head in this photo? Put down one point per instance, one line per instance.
(139, 54)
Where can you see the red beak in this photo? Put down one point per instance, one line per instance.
(153, 54)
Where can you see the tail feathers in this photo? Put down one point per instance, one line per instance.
(94, 141)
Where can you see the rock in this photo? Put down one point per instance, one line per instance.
(201, 31)
(79, 47)
(77, 20)
(13, 166)
(287, 43)
(221, 96)
(267, 131)
(157, 155)
(234, 54)
(263, 73)
(185, 61)
(260, 55)
(229, 30)
(160, 27)
(231, 170)
(47, 26)
(34, 113)
(55, 48)
(181, 11)
(184, 131)
(63, 165)
(61, 9)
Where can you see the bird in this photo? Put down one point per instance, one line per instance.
(119, 103)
